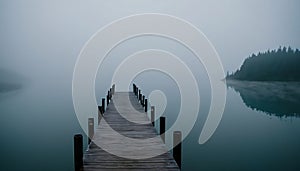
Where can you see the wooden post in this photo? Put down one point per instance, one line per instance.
(90, 129)
(152, 114)
(99, 114)
(162, 127)
(78, 152)
(143, 101)
(102, 108)
(137, 92)
(103, 104)
(140, 96)
(110, 94)
(113, 88)
(177, 138)
(107, 100)
(146, 105)
(134, 88)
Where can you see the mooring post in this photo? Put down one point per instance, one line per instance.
(140, 96)
(143, 101)
(99, 114)
(78, 152)
(101, 109)
(110, 94)
(162, 127)
(107, 100)
(177, 138)
(113, 88)
(152, 114)
(90, 129)
(146, 105)
(133, 88)
(103, 104)
(137, 94)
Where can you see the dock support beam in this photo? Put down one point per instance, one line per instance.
(177, 138)
(78, 152)
(162, 127)
(90, 129)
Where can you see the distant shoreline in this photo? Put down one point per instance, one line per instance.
(260, 81)
(279, 65)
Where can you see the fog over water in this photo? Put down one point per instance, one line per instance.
(41, 40)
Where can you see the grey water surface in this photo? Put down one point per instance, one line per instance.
(37, 128)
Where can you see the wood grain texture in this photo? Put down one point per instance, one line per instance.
(95, 158)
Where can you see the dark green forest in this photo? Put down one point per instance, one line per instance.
(282, 64)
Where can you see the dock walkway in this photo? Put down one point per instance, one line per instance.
(95, 158)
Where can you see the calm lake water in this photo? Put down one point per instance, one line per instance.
(257, 131)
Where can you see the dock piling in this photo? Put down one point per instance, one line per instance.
(103, 104)
(140, 96)
(107, 100)
(177, 138)
(162, 127)
(133, 88)
(146, 105)
(99, 114)
(90, 129)
(110, 93)
(113, 89)
(143, 101)
(152, 114)
(78, 152)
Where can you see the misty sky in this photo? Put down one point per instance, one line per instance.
(42, 39)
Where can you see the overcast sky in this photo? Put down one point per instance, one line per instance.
(42, 38)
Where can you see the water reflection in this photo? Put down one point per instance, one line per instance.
(281, 99)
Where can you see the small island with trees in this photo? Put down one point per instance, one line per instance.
(270, 82)
(282, 64)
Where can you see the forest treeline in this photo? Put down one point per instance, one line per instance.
(282, 64)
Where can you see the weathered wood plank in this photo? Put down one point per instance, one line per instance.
(128, 107)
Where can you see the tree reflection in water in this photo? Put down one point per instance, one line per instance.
(281, 99)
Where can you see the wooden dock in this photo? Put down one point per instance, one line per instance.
(96, 158)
